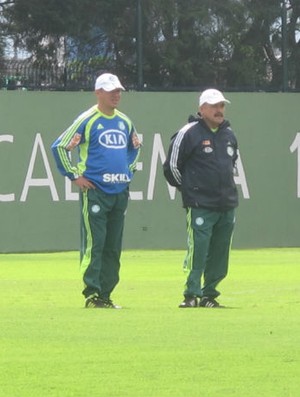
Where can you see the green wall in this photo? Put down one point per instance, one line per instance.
(40, 212)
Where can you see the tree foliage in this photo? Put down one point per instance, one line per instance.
(233, 44)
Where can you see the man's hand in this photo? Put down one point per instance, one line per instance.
(83, 183)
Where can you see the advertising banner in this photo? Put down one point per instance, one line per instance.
(39, 209)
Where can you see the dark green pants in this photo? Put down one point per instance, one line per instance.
(102, 217)
(209, 241)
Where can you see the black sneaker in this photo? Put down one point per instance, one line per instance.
(96, 302)
(209, 302)
(189, 302)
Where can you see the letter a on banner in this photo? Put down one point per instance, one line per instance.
(240, 178)
(30, 181)
(296, 146)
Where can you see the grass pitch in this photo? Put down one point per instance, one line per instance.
(52, 347)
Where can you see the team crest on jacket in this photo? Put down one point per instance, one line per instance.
(230, 150)
(121, 125)
(208, 149)
(206, 144)
(113, 139)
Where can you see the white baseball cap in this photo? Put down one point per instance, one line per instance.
(212, 96)
(108, 82)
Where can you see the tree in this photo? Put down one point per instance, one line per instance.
(294, 44)
(187, 44)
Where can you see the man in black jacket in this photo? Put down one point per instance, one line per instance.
(200, 162)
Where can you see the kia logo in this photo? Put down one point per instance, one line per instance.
(113, 139)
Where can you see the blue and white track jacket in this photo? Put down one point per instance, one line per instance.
(107, 156)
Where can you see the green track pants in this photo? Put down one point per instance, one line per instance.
(209, 242)
(102, 223)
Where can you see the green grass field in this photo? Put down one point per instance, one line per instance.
(52, 347)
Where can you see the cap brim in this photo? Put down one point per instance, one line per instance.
(112, 88)
(218, 101)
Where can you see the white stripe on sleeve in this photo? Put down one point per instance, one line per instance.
(175, 151)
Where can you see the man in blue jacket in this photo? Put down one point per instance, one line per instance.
(108, 148)
(200, 162)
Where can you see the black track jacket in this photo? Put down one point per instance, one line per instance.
(201, 164)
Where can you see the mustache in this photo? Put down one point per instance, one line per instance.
(219, 114)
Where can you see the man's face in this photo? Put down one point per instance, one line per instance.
(108, 99)
(213, 115)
